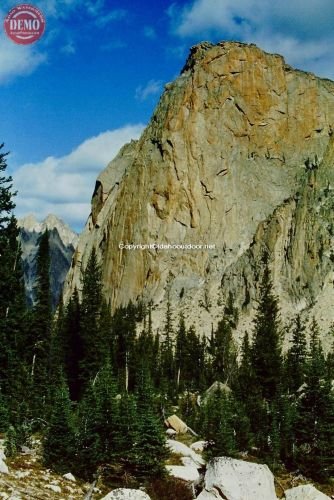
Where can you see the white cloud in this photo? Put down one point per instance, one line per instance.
(113, 15)
(18, 60)
(301, 30)
(64, 185)
(151, 88)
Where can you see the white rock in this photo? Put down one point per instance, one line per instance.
(69, 477)
(209, 495)
(305, 492)
(240, 480)
(185, 451)
(3, 467)
(126, 494)
(54, 488)
(198, 446)
(188, 462)
(171, 432)
(187, 473)
(2, 455)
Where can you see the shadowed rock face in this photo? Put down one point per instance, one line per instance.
(239, 155)
(62, 241)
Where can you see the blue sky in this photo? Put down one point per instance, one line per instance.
(69, 101)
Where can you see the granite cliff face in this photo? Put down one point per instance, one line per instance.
(239, 154)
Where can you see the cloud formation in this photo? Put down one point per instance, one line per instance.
(63, 186)
(111, 16)
(152, 87)
(301, 30)
(17, 60)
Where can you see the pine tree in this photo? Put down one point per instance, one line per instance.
(245, 375)
(315, 418)
(150, 448)
(124, 335)
(95, 347)
(296, 357)
(74, 345)
(126, 433)
(218, 425)
(106, 411)
(40, 340)
(59, 440)
(13, 312)
(223, 353)
(266, 347)
(180, 353)
(89, 448)
(167, 350)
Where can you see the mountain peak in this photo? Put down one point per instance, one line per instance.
(51, 221)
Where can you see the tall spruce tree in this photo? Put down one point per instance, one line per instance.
(123, 344)
(315, 421)
(59, 440)
(13, 313)
(94, 345)
(266, 348)
(41, 330)
(223, 353)
(218, 424)
(296, 357)
(150, 447)
(167, 350)
(74, 345)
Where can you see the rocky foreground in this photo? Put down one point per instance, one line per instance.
(24, 478)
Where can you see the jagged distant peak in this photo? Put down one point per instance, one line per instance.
(51, 221)
(30, 223)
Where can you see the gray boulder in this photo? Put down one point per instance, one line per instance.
(238, 480)
(126, 494)
(305, 492)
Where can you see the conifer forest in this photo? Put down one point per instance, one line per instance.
(97, 386)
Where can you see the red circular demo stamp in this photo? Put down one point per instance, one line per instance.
(24, 24)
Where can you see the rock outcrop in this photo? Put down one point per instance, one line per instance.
(238, 155)
(305, 492)
(126, 494)
(238, 480)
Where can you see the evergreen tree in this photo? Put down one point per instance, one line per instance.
(150, 449)
(95, 347)
(245, 372)
(223, 353)
(315, 421)
(59, 440)
(296, 357)
(124, 335)
(89, 448)
(266, 347)
(41, 330)
(13, 313)
(106, 411)
(180, 353)
(126, 434)
(218, 425)
(58, 345)
(167, 350)
(73, 345)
